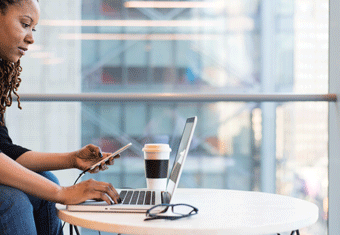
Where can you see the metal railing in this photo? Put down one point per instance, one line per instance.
(175, 97)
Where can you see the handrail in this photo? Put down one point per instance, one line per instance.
(175, 97)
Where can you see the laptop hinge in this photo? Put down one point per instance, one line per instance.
(165, 197)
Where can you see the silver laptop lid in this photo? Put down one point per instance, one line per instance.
(181, 155)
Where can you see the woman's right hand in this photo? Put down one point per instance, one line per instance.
(89, 189)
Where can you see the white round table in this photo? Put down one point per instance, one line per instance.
(220, 212)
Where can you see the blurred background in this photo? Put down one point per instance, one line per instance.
(185, 47)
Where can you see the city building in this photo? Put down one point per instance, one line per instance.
(226, 47)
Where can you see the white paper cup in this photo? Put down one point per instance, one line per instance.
(156, 158)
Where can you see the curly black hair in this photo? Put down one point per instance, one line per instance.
(9, 83)
(9, 73)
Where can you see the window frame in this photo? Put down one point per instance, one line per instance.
(334, 131)
(331, 98)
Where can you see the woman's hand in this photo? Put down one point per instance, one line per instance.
(86, 157)
(89, 189)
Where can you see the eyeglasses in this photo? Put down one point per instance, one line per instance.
(180, 211)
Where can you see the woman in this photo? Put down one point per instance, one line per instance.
(28, 192)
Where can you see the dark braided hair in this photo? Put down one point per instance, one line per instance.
(9, 73)
(9, 83)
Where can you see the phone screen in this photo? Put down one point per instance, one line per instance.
(112, 155)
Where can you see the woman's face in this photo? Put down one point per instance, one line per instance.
(16, 29)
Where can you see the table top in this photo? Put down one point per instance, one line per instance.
(220, 212)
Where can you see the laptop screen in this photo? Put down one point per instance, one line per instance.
(181, 155)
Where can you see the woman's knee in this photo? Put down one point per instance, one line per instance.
(13, 200)
(49, 175)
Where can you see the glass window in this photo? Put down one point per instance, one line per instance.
(90, 46)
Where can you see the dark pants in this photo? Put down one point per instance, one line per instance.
(24, 214)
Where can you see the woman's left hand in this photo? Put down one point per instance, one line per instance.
(89, 155)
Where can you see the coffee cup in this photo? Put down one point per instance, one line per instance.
(156, 157)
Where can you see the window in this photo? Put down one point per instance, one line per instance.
(242, 48)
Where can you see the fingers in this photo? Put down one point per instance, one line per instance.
(105, 191)
(111, 160)
(104, 197)
(89, 189)
(116, 156)
(101, 167)
(95, 170)
(113, 157)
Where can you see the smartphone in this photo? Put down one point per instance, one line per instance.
(112, 155)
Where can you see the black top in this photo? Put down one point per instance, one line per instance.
(7, 147)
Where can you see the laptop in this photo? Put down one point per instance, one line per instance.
(140, 200)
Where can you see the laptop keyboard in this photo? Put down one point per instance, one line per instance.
(129, 197)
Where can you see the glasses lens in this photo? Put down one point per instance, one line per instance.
(157, 210)
(182, 209)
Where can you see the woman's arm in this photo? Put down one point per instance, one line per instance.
(38, 161)
(81, 159)
(15, 175)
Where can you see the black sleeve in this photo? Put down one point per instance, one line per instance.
(7, 147)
